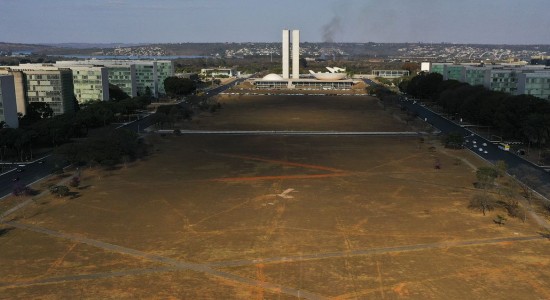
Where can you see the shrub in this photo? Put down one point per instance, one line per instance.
(482, 202)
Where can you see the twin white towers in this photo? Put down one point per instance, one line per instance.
(295, 54)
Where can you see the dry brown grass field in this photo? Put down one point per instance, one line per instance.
(275, 217)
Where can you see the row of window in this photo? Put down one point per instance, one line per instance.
(90, 89)
(86, 72)
(96, 82)
(44, 99)
(85, 77)
(44, 88)
(43, 77)
(537, 80)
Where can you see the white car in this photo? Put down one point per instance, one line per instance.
(480, 149)
(484, 144)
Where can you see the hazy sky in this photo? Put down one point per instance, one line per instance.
(97, 21)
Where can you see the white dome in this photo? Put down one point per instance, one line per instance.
(329, 76)
(272, 77)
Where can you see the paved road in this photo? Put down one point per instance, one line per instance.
(223, 88)
(35, 171)
(532, 175)
(31, 172)
(292, 132)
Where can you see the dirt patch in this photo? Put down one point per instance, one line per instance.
(308, 217)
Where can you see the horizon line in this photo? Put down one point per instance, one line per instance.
(278, 42)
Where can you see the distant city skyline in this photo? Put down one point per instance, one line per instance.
(180, 21)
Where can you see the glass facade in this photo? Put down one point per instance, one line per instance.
(536, 84)
(124, 77)
(146, 77)
(438, 68)
(304, 84)
(165, 69)
(503, 81)
(54, 87)
(453, 72)
(134, 77)
(508, 78)
(90, 84)
(390, 73)
(475, 76)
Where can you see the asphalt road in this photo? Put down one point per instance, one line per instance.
(530, 174)
(35, 171)
(30, 173)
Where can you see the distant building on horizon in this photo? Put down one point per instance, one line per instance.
(390, 73)
(540, 60)
(219, 72)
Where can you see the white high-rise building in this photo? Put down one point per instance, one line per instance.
(285, 52)
(8, 106)
(295, 54)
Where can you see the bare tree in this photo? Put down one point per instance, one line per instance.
(482, 202)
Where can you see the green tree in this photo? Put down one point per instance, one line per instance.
(536, 129)
(486, 176)
(412, 67)
(176, 86)
(148, 93)
(37, 111)
(59, 190)
(116, 93)
(425, 86)
(453, 140)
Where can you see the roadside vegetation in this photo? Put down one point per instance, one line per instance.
(514, 117)
(498, 192)
(40, 130)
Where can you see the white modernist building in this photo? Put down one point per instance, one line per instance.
(516, 79)
(285, 53)
(134, 77)
(8, 106)
(295, 54)
(326, 81)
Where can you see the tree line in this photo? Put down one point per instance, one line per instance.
(520, 117)
(40, 129)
